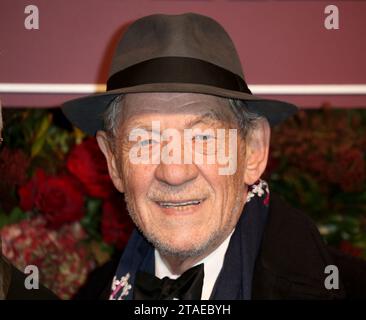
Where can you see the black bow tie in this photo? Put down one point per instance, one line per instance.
(187, 287)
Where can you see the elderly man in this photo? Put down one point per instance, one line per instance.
(187, 143)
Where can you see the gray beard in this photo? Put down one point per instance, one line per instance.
(215, 239)
(168, 251)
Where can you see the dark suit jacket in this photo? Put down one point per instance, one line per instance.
(290, 264)
(292, 258)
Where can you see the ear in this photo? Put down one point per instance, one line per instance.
(109, 155)
(257, 149)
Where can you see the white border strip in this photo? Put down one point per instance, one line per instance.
(281, 89)
(310, 89)
(51, 88)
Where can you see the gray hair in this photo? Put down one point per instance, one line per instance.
(112, 116)
(245, 119)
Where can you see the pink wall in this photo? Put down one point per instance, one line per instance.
(279, 42)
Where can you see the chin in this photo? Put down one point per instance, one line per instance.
(189, 245)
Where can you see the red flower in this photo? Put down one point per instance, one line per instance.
(13, 166)
(61, 255)
(27, 192)
(349, 248)
(116, 224)
(348, 169)
(13, 172)
(58, 198)
(88, 164)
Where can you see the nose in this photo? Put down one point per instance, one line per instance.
(176, 174)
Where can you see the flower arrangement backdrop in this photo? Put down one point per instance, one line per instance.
(60, 211)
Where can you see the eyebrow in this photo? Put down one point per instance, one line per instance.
(208, 117)
(139, 125)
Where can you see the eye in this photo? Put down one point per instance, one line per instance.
(203, 137)
(147, 142)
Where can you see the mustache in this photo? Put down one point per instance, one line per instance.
(165, 192)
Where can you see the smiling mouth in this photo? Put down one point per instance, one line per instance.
(179, 204)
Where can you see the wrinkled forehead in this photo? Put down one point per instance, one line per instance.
(171, 103)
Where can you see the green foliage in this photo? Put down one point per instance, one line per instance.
(14, 216)
(91, 220)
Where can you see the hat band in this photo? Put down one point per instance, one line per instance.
(177, 70)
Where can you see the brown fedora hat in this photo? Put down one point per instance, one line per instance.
(174, 53)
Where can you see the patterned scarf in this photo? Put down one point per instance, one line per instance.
(235, 279)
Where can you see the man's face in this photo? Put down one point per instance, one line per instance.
(184, 209)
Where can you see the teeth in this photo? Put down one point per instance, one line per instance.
(179, 204)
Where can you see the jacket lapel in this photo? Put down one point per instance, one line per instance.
(138, 255)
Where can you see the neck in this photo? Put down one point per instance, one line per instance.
(178, 265)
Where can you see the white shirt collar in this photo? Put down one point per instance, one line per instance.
(212, 267)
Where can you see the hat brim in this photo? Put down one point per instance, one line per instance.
(87, 112)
